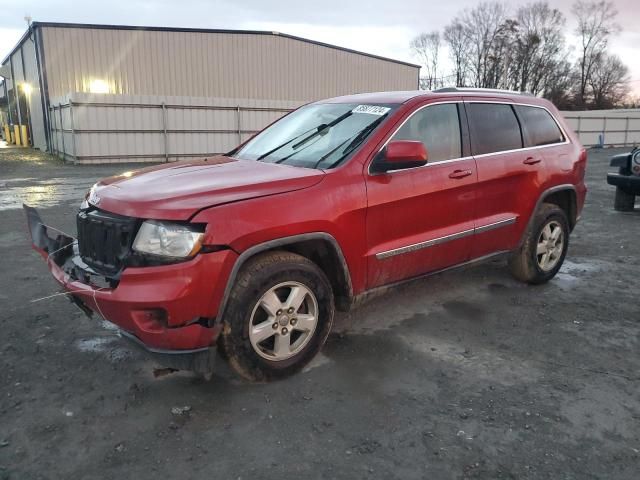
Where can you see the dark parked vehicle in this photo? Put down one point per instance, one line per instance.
(627, 180)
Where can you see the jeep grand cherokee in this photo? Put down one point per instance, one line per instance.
(250, 252)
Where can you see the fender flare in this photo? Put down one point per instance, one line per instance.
(540, 201)
(281, 242)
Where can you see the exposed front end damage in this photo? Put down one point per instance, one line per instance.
(168, 310)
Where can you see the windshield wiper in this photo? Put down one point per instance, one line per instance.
(284, 159)
(288, 142)
(319, 130)
(357, 140)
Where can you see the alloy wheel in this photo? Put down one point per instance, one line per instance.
(283, 321)
(550, 246)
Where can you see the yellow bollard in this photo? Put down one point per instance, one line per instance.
(24, 136)
(16, 134)
(7, 134)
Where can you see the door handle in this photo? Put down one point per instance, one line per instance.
(532, 161)
(460, 174)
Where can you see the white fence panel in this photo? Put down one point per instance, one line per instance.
(606, 127)
(90, 128)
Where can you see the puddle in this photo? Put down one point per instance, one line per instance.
(41, 193)
(5, 181)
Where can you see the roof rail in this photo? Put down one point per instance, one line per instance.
(481, 90)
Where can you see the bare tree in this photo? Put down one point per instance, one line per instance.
(631, 101)
(595, 25)
(501, 55)
(426, 47)
(456, 39)
(527, 52)
(608, 81)
(482, 26)
(540, 46)
(559, 84)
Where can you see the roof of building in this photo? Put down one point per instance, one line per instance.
(196, 30)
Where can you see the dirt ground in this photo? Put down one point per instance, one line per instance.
(467, 374)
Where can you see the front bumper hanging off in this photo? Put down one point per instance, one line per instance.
(160, 309)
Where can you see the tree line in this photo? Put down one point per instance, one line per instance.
(526, 50)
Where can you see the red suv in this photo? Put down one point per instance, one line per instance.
(252, 251)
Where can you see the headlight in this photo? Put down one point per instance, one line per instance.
(90, 198)
(167, 239)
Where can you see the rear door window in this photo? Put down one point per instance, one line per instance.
(538, 126)
(494, 128)
(438, 128)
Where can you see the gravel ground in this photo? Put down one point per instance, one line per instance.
(466, 374)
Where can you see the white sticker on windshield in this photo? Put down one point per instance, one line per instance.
(371, 109)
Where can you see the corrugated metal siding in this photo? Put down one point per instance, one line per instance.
(29, 74)
(214, 65)
(35, 103)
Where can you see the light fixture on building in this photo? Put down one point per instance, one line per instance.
(98, 86)
(26, 88)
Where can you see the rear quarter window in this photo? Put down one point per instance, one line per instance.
(494, 128)
(538, 126)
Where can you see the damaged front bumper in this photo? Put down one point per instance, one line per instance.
(166, 310)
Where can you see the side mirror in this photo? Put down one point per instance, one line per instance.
(400, 154)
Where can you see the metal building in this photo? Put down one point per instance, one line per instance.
(105, 93)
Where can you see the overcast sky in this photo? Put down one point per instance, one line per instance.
(382, 27)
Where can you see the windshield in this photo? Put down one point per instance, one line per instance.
(315, 136)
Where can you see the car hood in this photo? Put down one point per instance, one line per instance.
(177, 191)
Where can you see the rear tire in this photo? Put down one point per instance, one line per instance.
(279, 315)
(624, 202)
(544, 248)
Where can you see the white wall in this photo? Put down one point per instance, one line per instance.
(619, 127)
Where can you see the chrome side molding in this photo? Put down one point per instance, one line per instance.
(447, 238)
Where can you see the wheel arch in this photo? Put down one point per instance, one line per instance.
(319, 247)
(564, 196)
(566, 199)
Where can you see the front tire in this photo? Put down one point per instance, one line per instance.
(623, 202)
(279, 315)
(544, 248)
